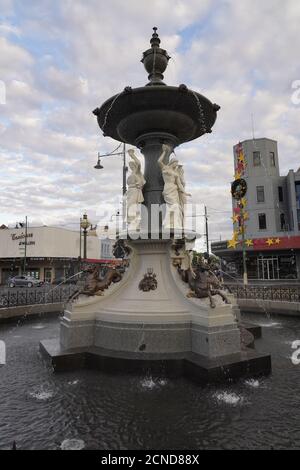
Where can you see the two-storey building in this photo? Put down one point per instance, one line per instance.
(272, 208)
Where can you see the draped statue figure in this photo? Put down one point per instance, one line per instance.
(174, 189)
(135, 182)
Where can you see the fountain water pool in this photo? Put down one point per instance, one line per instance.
(43, 410)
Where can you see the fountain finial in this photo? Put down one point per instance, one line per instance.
(155, 41)
(155, 60)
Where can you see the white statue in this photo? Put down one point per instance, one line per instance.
(182, 194)
(174, 189)
(135, 182)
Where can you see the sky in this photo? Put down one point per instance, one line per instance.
(59, 60)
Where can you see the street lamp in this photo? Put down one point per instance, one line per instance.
(98, 166)
(84, 224)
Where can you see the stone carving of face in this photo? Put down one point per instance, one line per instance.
(133, 166)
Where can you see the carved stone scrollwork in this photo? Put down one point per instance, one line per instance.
(121, 249)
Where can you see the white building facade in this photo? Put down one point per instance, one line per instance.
(51, 252)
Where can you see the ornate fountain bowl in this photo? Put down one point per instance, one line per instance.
(177, 111)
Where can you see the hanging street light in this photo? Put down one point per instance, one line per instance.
(98, 165)
(115, 152)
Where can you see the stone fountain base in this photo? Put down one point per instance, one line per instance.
(159, 330)
(199, 368)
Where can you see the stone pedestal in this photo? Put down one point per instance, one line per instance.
(163, 320)
(158, 325)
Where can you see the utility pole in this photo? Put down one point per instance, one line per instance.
(206, 229)
(245, 274)
(124, 188)
(25, 250)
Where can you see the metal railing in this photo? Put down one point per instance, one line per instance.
(283, 294)
(34, 296)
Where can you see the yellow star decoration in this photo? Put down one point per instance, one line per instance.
(241, 158)
(246, 216)
(249, 243)
(235, 218)
(277, 241)
(237, 175)
(244, 202)
(270, 241)
(235, 234)
(232, 243)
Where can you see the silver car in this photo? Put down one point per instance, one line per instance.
(24, 281)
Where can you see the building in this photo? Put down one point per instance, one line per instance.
(272, 216)
(106, 248)
(51, 252)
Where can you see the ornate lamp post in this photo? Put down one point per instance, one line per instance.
(84, 224)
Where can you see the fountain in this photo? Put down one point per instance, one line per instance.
(151, 319)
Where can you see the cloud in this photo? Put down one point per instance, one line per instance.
(60, 60)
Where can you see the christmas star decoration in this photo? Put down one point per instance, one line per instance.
(249, 243)
(244, 202)
(237, 175)
(232, 243)
(241, 158)
(246, 216)
(270, 241)
(235, 218)
(277, 241)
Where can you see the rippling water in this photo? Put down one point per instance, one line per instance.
(93, 410)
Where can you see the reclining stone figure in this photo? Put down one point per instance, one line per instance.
(203, 283)
(94, 285)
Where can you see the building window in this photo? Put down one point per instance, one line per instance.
(33, 272)
(280, 194)
(256, 159)
(272, 159)
(262, 222)
(282, 222)
(260, 194)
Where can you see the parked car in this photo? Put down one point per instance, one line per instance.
(24, 281)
